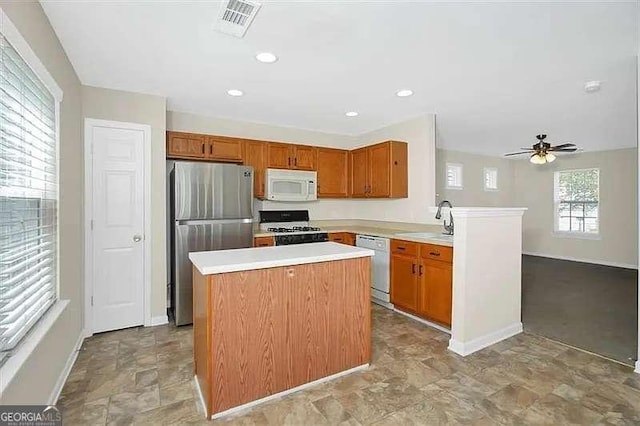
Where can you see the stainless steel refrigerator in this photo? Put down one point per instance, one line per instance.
(211, 209)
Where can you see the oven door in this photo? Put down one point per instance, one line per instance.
(290, 189)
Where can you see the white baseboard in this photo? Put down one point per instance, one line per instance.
(62, 379)
(637, 370)
(467, 348)
(251, 404)
(424, 321)
(575, 259)
(159, 320)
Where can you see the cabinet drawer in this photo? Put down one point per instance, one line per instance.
(436, 252)
(338, 237)
(263, 242)
(404, 247)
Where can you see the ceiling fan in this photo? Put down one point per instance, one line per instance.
(542, 152)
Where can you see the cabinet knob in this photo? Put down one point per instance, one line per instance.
(434, 253)
(413, 268)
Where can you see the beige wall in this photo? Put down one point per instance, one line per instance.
(523, 184)
(418, 133)
(472, 192)
(36, 380)
(618, 243)
(117, 105)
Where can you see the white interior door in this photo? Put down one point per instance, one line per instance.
(118, 225)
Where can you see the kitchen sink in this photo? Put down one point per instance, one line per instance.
(427, 236)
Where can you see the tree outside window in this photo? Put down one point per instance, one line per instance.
(577, 201)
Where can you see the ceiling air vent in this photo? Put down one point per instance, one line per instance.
(235, 16)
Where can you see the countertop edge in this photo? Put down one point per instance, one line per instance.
(212, 270)
(391, 235)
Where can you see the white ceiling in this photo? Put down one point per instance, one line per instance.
(495, 74)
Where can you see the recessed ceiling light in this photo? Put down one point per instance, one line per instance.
(266, 57)
(592, 86)
(404, 93)
(235, 92)
(351, 114)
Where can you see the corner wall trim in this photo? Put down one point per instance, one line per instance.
(159, 320)
(467, 348)
(64, 374)
(637, 370)
(575, 259)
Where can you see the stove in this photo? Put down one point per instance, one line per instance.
(291, 227)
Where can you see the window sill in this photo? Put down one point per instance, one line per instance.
(576, 235)
(25, 348)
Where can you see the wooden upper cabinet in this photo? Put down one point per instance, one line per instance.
(223, 148)
(289, 156)
(359, 172)
(255, 155)
(305, 157)
(333, 173)
(279, 155)
(185, 145)
(380, 164)
(380, 171)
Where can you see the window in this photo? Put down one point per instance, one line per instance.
(28, 198)
(576, 194)
(490, 179)
(454, 176)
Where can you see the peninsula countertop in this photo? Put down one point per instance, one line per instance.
(223, 261)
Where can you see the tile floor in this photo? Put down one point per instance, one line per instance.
(144, 376)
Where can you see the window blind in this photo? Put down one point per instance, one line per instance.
(28, 199)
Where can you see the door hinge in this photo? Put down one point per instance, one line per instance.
(92, 224)
(91, 300)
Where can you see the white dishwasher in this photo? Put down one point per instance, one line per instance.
(379, 268)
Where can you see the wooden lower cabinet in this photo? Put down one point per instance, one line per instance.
(434, 291)
(343, 237)
(263, 242)
(421, 280)
(258, 333)
(404, 282)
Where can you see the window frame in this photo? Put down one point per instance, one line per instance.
(484, 176)
(38, 331)
(556, 205)
(446, 176)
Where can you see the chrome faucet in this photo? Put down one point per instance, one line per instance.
(448, 229)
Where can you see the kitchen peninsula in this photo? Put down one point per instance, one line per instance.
(271, 319)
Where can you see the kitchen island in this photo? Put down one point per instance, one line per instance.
(269, 320)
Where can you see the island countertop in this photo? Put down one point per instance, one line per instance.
(223, 261)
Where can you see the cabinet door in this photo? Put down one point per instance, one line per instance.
(359, 173)
(435, 291)
(350, 238)
(333, 167)
(185, 145)
(305, 158)
(224, 149)
(279, 156)
(255, 155)
(380, 166)
(404, 282)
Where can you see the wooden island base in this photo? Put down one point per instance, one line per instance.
(261, 332)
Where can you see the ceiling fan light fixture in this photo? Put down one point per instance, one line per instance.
(538, 159)
(550, 157)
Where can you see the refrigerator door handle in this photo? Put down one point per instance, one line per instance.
(212, 221)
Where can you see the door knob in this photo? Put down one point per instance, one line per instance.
(137, 238)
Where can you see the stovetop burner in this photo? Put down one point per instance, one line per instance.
(295, 229)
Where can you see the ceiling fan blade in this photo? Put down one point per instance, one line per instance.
(564, 150)
(564, 145)
(518, 153)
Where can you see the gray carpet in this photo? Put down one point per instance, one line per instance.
(591, 307)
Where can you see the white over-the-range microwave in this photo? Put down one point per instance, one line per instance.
(291, 185)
